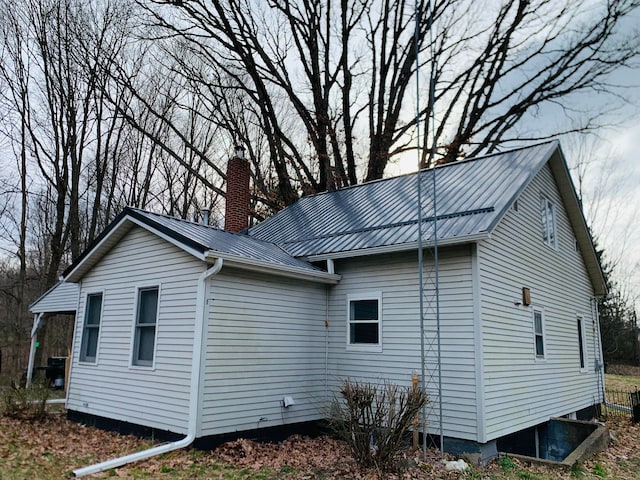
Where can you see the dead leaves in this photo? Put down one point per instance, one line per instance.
(296, 451)
(55, 446)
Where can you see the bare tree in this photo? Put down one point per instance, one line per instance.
(328, 83)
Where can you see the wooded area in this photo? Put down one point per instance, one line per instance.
(119, 102)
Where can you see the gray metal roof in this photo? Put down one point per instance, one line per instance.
(471, 195)
(205, 238)
(200, 240)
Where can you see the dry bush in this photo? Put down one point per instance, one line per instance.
(25, 403)
(374, 420)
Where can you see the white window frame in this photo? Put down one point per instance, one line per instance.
(549, 223)
(582, 343)
(135, 362)
(364, 347)
(537, 334)
(83, 340)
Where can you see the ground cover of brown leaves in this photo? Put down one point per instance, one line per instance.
(54, 447)
(51, 448)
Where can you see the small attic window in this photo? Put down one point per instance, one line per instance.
(549, 231)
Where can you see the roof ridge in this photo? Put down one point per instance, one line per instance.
(172, 217)
(489, 155)
(428, 169)
(141, 211)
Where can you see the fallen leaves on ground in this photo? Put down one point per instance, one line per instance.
(55, 446)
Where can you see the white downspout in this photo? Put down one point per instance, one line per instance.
(194, 400)
(32, 352)
(597, 348)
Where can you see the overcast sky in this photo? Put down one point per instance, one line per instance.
(611, 180)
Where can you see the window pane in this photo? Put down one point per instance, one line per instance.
(580, 343)
(94, 305)
(145, 334)
(551, 225)
(91, 343)
(363, 333)
(538, 322)
(543, 215)
(364, 310)
(547, 213)
(146, 341)
(539, 346)
(148, 306)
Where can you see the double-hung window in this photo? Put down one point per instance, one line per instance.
(364, 321)
(145, 327)
(91, 329)
(549, 231)
(538, 328)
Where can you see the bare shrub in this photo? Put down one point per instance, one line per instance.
(25, 403)
(374, 419)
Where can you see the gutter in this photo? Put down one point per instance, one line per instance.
(194, 399)
(291, 271)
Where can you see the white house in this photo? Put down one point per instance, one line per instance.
(184, 328)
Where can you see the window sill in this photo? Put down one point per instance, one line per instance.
(146, 368)
(364, 348)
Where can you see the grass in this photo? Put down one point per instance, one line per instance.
(621, 382)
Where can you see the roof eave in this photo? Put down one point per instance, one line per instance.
(97, 251)
(256, 265)
(114, 233)
(554, 146)
(560, 170)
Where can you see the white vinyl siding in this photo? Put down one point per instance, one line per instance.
(520, 391)
(62, 297)
(266, 340)
(395, 276)
(156, 398)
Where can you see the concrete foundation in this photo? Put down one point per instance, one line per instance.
(560, 441)
(474, 452)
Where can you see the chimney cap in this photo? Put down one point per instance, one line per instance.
(239, 151)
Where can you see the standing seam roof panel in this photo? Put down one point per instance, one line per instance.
(371, 214)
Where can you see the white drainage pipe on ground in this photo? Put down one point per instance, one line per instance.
(134, 457)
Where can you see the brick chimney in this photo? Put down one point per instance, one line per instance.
(236, 213)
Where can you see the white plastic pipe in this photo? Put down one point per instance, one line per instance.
(134, 457)
(194, 400)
